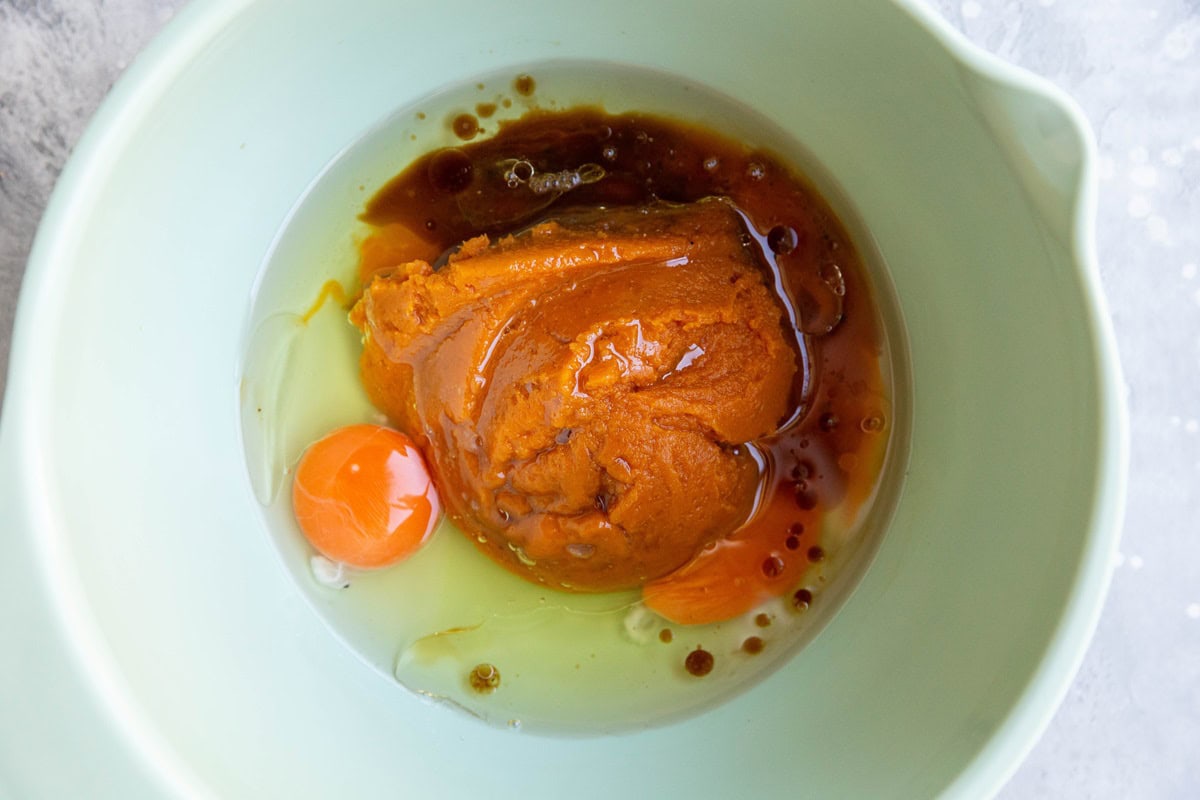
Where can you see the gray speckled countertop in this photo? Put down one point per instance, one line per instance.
(1130, 726)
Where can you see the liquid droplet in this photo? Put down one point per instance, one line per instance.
(773, 567)
(802, 599)
(557, 183)
(753, 645)
(871, 424)
(580, 550)
(516, 172)
(821, 302)
(485, 678)
(465, 126)
(699, 662)
(831, 275)
(524, 85)
(512, 190)
(805, 498)
(521, 555)
(782, 239)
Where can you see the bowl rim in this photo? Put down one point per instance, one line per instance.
(1038, 702)
(129, 104)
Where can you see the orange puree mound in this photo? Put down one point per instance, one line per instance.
(584, 390)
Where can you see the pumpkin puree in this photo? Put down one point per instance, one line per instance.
(589, 390)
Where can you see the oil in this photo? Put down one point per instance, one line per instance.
(571, 663)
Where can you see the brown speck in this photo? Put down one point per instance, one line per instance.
(773, 566)
(507, 103)
(805, 498)
(485, 678)
(485, 110)
(465, 126)
(802, 599)
(803, 470)
(699, 662)
(815, 554)
(420, 115)
(763, 620)
(479, 86)
(782, 240)
(753, 645)
(665, 636)
(828, 421)
(524, 85)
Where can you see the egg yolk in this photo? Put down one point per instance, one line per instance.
(363, 496)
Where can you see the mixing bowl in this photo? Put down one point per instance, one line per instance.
(158, 644)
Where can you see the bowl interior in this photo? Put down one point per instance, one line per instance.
(587, 664)
(966, 185)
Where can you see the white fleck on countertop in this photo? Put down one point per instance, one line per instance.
(1130, 726)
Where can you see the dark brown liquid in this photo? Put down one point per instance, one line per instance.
(828, 452)
(699, 662)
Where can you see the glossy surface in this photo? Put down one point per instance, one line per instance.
(575, 439)
(363, 497)
(640, 378)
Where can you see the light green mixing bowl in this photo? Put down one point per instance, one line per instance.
(166, 652)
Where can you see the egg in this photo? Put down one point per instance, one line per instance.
(363, 496)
